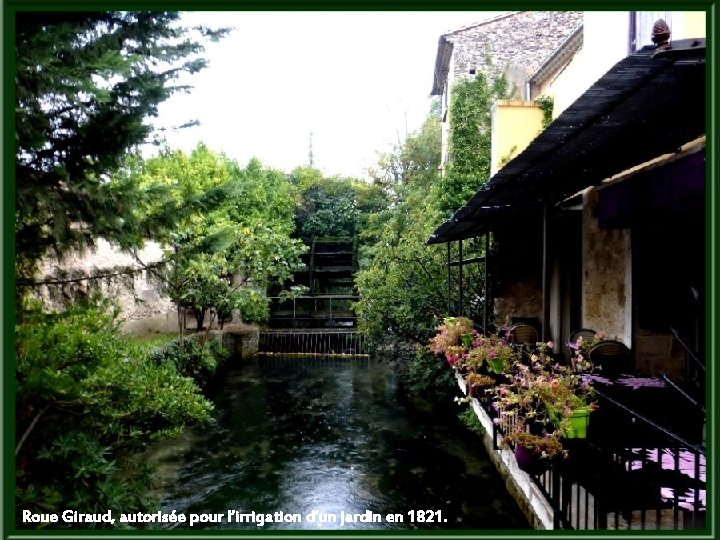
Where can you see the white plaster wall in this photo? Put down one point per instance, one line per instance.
(605, 43)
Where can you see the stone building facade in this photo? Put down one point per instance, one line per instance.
(514, 44)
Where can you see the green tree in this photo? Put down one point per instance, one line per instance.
(400, 293)
(85, 398)
(404, 290)
(86, 85)
(231, 229)
(332, 207)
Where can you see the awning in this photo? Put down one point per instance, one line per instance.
(648, 104)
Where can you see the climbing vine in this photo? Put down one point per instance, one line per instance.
(469, 143)
(546, 105)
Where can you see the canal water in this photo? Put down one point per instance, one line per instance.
(330, 436)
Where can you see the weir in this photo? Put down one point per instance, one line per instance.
(312, 341)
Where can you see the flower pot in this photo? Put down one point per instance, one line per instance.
(529, 461)
(579, 420)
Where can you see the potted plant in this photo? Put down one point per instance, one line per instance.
(491, 354)
(478, 383)
(581, 359)
(568, 400)
(453, 339)
(533, 453)
(544, 392)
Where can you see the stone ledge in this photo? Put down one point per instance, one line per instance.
(240, 329)
(241, 340)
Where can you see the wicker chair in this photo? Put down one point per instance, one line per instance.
(522, 334)
(586, 333)
(613, 356)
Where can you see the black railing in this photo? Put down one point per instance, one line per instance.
(640, 475)
(318, 311)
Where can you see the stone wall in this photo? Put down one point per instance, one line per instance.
(655, 353)
(241, 340)
(607, 278)
(144, 309)
(515, 44)
(519, 299)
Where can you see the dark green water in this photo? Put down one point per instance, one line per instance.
(298, 434)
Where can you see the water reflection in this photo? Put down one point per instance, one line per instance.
(303, 434)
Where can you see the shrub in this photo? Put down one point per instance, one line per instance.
(190, 358)
(469, 419)
(429, 378)
(84, 398)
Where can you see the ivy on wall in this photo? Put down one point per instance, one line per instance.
(469, 143)
(546, 105)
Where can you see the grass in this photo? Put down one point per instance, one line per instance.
(149, 341)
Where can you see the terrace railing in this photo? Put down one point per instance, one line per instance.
(639, 475)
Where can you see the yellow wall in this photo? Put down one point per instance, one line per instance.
(688, 24)
(514, 125)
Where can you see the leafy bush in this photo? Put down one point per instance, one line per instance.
(190, 358)
(469, 419)
(77, 472)
(428, 377)
(84, 398)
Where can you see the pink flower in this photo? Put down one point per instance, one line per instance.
(550, 344)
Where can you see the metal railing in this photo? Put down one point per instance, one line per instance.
(312, 341)
(322, 309)
(653, 480)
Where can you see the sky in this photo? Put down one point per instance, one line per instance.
(359, 82)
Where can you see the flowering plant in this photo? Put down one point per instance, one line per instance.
(491, 352)
(463, 346)
(547, 446)
(453, 338)
(581, 359)
(478, 380)
(563, 393)
(543, 392)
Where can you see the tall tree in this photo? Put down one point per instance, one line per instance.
(400, 293)
(404, 289)
(86, 85)
(332, 206)
(230, 227)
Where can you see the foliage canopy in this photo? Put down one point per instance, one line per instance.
(86, 85)
(231, 227)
